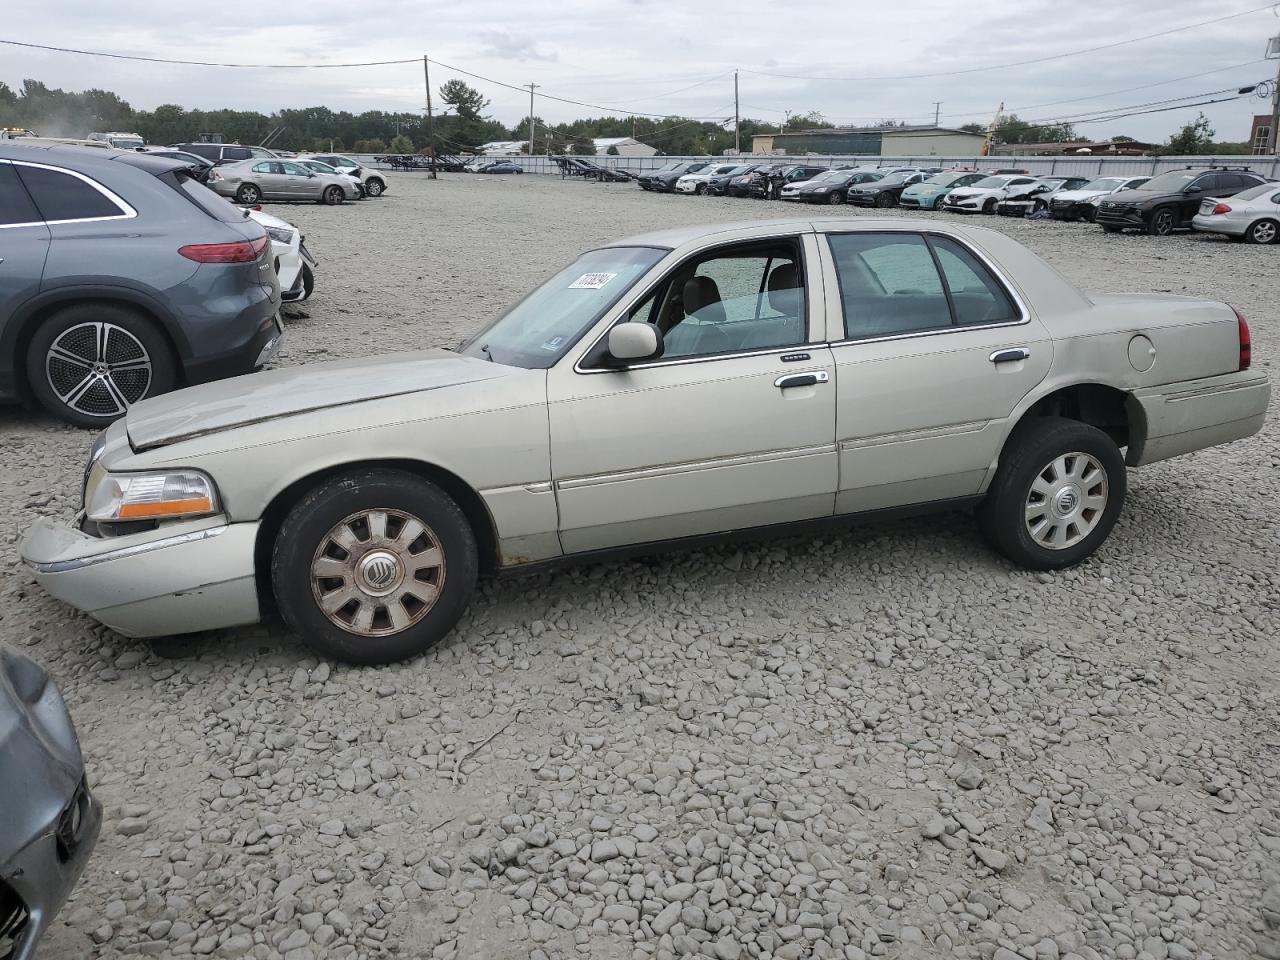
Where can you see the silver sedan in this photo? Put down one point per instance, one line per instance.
(675, 386)
(252, 181)
(1253, 215)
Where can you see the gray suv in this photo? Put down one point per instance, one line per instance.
(122, 277)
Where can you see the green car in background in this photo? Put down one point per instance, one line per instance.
(928, 195)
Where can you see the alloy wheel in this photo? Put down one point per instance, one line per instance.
(377, 572)
(1162, 223)
(1066, 501)
(98, 369)
(1264, 232)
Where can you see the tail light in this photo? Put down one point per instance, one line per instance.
(1246, 342)
(1222, 208)
(246, 251)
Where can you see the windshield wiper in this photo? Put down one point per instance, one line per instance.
(487, 355)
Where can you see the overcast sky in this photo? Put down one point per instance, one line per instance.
(638, 54)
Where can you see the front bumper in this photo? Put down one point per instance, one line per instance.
(1015, 208)
(1123, 217)
(1070, 209)
(43, 874)
(181, 578)
(965, 204)
(862, 199)
(1194, 414)
(1219, 224)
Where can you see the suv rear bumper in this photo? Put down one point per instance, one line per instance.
(260, 347)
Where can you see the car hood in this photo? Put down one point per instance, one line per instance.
(1137, 196)
(1078, 196)
(239, 401)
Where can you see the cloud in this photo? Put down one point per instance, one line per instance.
(503, 46)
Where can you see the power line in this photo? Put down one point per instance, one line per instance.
(210, 63)
(1022, 63)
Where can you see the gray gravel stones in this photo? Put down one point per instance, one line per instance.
(878, 743)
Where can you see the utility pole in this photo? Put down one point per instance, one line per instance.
(1275, 105)
(937, 107)
(737, 122)
(431, 125)
(532, 87)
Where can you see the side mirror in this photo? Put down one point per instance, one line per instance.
(1195, 188)
(635, 340)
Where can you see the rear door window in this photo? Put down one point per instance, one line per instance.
(61, 196)
(235, 153)
(15, 205)
(976, 296)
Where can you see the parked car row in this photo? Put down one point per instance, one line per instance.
(252, 174)
(124, 277)
(1233, 201)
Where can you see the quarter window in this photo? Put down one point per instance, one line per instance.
(893, 284)
(738, 299)
(239, 153)
(262, 168)
(15, 205)
(59, 196)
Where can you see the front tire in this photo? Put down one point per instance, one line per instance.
(1056, 495)
(374, 187)
(1108, 228)
(835, 199)
(89, 363)
(333, 196)
(1263, 232)
(374, 566)
(1161, 223)
(989, 207)
(884, 200)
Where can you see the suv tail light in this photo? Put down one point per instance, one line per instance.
(1222, 208)
(1246, 342)
(246, 251)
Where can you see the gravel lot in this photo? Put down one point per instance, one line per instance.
(886, 742)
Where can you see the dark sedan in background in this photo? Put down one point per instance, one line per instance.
(49, 820)
(885, 191)
(829, 187)
(664, 179)
(717, 185)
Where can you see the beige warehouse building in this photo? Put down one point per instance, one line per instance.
(873, 141)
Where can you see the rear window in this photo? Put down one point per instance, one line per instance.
(204, 198)
(235, 153)
(60, 196)
(210, 151)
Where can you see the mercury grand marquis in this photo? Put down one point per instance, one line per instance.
(673, 386)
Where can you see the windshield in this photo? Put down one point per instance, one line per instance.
(895, 178)
(986, 183)
(318, 167)
(1106, 183)
(1170, 182)
(942, 179)
(127, 143)
(537, 331)
(830, 176)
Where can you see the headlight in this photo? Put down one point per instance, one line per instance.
(282, 234)
(118, 497)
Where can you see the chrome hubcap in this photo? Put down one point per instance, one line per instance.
(377, 572)
(98, 369)
(1264, 232)
(1066, 501)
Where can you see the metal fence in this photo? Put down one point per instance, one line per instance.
(1080, 166)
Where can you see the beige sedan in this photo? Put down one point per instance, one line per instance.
(252, 181)
(663, 389)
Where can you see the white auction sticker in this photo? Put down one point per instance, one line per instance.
(591, 281)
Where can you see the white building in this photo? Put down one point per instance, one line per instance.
(624, 147)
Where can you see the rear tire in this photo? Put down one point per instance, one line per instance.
(248, 194)
(396, 588)
(1262, 232)
(89, 362)
(1057, 493)
(374, 187)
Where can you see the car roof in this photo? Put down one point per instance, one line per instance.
(789, 226)
(85, 159)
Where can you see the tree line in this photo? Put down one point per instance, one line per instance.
(460, 126)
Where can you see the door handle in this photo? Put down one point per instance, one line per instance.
(1009, 356)
(801, 379)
